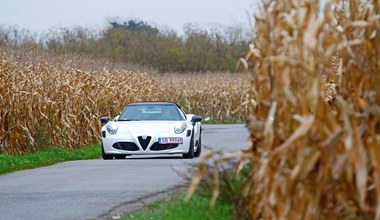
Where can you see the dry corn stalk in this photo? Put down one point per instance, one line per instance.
(314, 111)
(42, 105)
(215, 95)
(315, 90)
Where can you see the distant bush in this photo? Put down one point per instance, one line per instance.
(136, 42)
(135, 26)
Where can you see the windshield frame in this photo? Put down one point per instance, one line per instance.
(141, 106)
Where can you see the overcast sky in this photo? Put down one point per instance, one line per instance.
(40, 15)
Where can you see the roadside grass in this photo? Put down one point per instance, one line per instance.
(232, 120)
(175, 207)
(11, 163)
(226, 122)
(198, 206)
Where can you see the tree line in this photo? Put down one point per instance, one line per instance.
(195, 50)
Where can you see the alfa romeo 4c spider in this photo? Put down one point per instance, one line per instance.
(151, 128)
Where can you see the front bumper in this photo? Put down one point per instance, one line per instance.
(140, 144)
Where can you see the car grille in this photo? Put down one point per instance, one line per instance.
(156, 146)
(125, 146)
(144, 143)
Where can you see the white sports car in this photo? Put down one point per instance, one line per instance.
(151, 128)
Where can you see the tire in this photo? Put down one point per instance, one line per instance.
(199, 148)
(120, 157)
(106, 156)
(190, 154)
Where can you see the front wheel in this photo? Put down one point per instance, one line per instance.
(190, 154)
(106, 156)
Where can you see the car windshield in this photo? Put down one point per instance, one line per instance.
(150, 112)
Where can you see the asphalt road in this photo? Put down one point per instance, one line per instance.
(92, 188)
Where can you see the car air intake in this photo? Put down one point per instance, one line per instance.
(125, 146)
(144, 142)
(157, 147)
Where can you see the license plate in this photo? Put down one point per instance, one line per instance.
(170, 140)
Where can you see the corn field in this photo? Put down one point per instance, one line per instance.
(218, 96)
(314, 113)
(47, 104)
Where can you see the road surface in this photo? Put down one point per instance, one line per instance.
(93, 189)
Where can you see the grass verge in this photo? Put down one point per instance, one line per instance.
(174, 207)
(198, 207)
(10, 163)
(225, 122)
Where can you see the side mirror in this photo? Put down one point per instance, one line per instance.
(105, 119)
(196, 118)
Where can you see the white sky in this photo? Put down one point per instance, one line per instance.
(40, 15)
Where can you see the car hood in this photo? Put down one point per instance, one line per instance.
(146, 127)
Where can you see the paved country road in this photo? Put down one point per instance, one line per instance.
(90, 189)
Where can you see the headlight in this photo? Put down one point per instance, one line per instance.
(112, 128)
(180, 127)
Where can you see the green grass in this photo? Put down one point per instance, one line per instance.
(174, 207)
(232, 120)
(226, 122)
(10, 163)
(198, 207)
